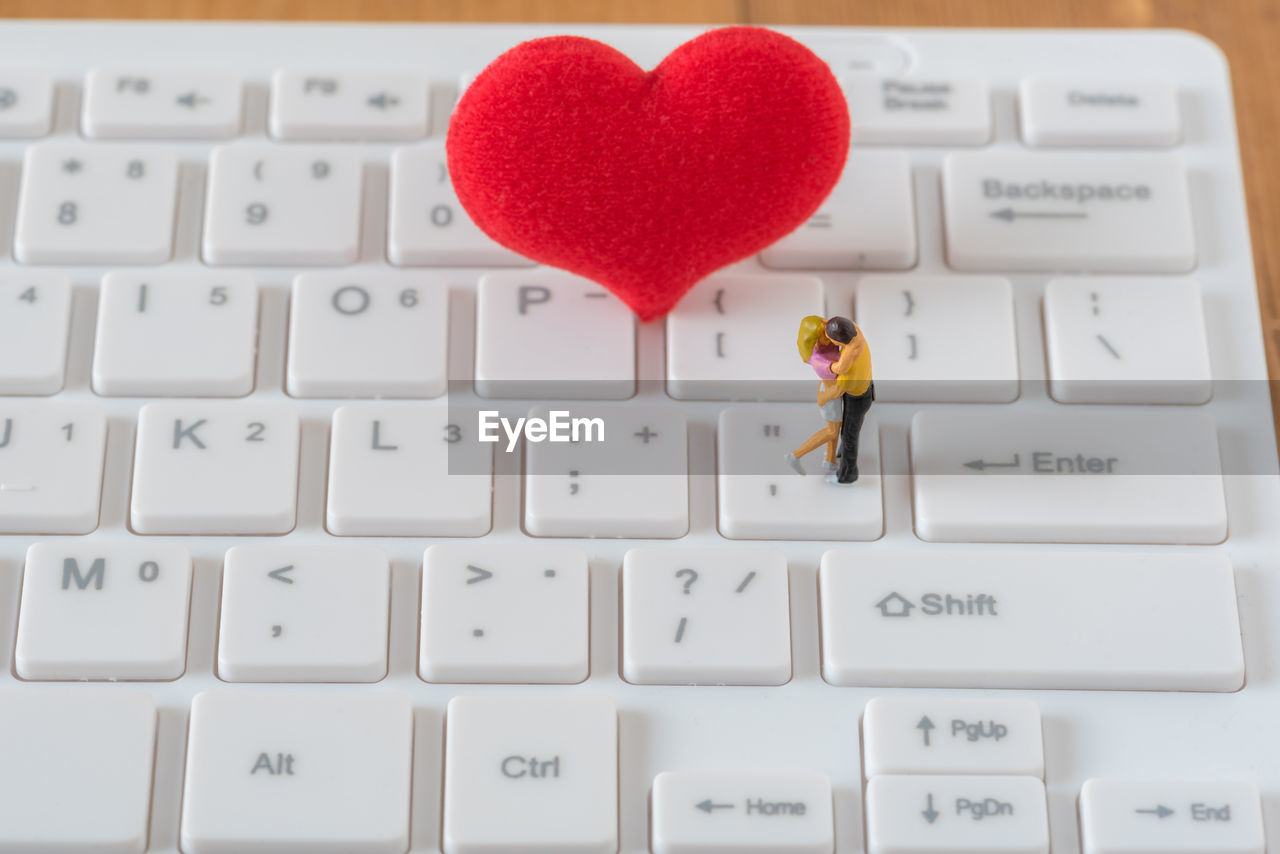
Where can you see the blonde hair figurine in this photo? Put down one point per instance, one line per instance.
(838, 353)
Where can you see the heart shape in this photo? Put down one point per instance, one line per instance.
(569, 153)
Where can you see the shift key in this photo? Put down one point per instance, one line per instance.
(1112, 212)
(1067, 477)
(1029, 619)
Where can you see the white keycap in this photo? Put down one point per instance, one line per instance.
(105, 203)
(547, 334)
(762, 497)
(1118, 212)
(201, 468)
(867, 223)
(1126, 340)
(35, 315)
(177, 333)
(276, 204)
(940, 338)
(943, 735)
(104, 611)
(161, 104)
(986, 619)
(1133, 816)
(319, 771)
(26, 103)
(393, 328)
(504, 613)
(1100, 477)
(51, 457)
(710, 616)
(632, 483)
(428, 227)
(407, 471)
(956, 815)
(82, 754)
(531, 775)
(1099, 111)
(918, 110)
(733, 337)
(697, 813)
(304, 614)
(311, 104)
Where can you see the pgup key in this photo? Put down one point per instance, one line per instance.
(940, 735)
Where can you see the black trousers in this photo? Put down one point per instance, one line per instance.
(855, 412)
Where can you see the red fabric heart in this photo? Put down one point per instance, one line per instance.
(567, 152)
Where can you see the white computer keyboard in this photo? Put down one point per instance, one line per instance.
(250, 601)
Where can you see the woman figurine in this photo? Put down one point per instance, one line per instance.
(839, 355)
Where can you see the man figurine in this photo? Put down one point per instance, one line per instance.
(838, 354)
(853, 375)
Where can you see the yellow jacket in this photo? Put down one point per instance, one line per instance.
(856, 378)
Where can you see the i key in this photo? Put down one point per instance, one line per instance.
(188, 334)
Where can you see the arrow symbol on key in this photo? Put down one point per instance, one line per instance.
(480, 574)
(929, 813)
(1160, 811)
(1009, 215)
(924, 726)
(708, 807)
(282, 574)
(986, 464)
(191, 100)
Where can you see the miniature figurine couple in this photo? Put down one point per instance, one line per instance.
(838, 353)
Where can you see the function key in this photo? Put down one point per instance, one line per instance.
(919, 110)
(348, 105)
(140, 104)
(1060, 111)
(26, 103)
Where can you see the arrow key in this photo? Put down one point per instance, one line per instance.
(919, 814)
(697, 813)
(941, 735)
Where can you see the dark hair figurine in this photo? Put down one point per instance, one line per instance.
(839, 355)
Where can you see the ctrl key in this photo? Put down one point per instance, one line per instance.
(696, 813)
(531, 775)
(319, 772)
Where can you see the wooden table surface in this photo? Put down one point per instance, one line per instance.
(1247, 30)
